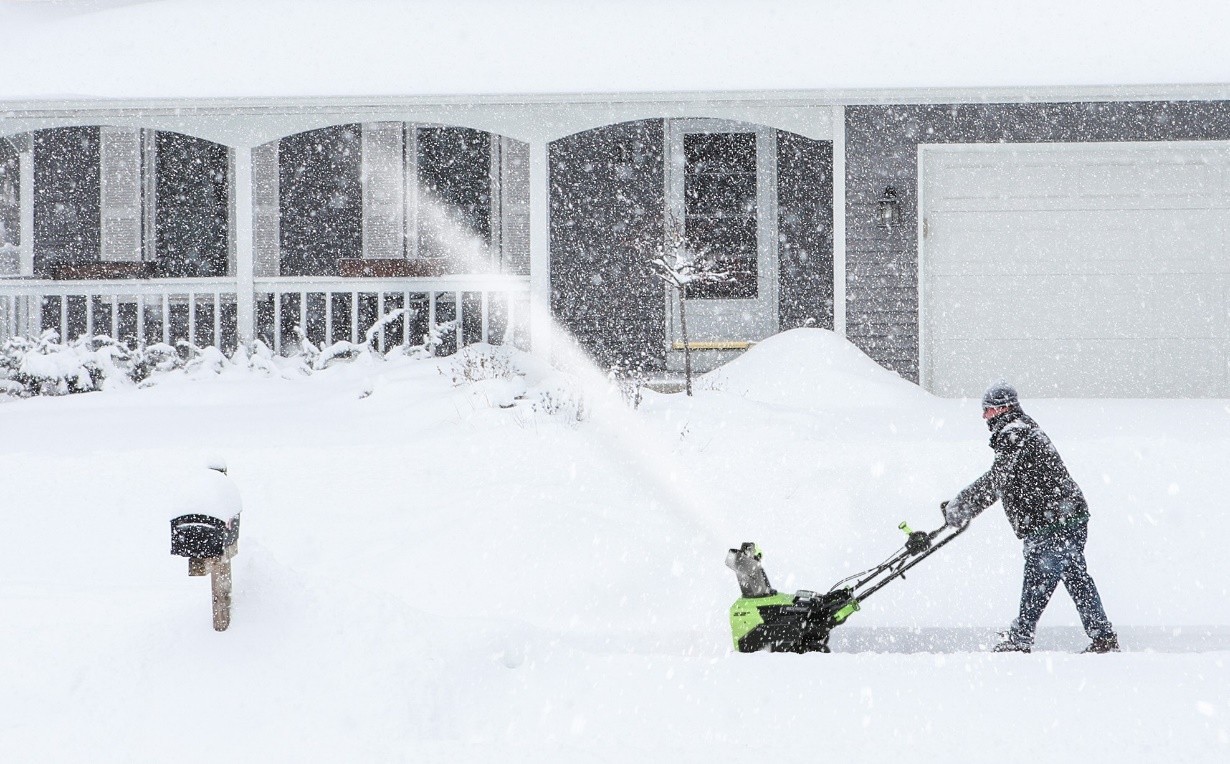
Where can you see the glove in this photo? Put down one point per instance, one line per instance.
(956, 514)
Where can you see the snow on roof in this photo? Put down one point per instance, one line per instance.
(127, 49)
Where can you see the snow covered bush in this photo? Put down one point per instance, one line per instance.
(476, 363)
(44, 366)
(630, 383)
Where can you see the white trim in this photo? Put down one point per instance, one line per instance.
(540, 250)
(529, 117)
(839, 220)
(252, 122)
(924, 361)
(244, 213)
(25, 265)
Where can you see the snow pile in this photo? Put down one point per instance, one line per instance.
(435, 566)
(812, 369)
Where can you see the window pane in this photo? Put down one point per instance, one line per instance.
(721, 195)
(454, 176)
(720, 152)
(719, 209)
(67, 197)
(10, 203)
(191, 218)
(321, 200)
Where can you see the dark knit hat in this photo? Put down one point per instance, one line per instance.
(1000, 394)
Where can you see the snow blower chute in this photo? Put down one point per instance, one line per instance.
(764, 619)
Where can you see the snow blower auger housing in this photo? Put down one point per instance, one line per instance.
(765, 619)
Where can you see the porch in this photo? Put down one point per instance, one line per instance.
(221, 222)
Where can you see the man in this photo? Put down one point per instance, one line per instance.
(1047, 511)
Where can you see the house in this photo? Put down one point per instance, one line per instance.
(1072, 238)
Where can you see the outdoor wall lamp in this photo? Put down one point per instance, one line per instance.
(890, 208)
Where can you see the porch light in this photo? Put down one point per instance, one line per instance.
(890, 208)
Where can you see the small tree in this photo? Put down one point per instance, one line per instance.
(679, 264)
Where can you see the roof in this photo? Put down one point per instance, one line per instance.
(127, 49)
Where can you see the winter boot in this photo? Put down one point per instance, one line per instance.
(1009, 646)
(1109, 644)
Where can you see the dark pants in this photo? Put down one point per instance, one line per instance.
(1051, 557)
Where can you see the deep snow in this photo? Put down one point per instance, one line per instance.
(426, 575)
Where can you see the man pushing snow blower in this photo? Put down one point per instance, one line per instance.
(1043, 503)
(1048, 513)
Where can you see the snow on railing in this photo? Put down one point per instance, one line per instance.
(205, 311)
(200, 310)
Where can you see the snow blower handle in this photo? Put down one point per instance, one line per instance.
(917, 541)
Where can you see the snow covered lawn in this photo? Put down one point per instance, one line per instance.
(427, 575)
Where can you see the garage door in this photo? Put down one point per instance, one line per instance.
(1076, 270)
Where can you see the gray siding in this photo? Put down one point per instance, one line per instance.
(805, 231)
(882, 150)
(607, 194)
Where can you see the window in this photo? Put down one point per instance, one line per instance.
(720, 210)
(67, 200)
(190, 219)
(321, 200)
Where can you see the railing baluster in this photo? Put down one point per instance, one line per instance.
(303, 324)
(166, 317)
(277, 322)
(457, 315)
(379, 316)
(510, 320)
(89, 315)
(64, 318)
(218, 321)
(486, 306)
(192, 318)
(328, 319)
(141, 319)
(405, 318)
(115, 317)
(354, 316)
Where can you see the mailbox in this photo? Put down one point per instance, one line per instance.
(203, 536)
(209, 543)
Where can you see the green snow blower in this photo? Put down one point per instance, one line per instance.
(765, 619)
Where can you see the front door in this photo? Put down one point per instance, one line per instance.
(721, 192)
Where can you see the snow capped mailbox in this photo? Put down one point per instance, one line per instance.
(199, 537)
(209, 544)
(207, 541)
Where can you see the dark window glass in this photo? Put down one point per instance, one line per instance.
(719, 207)
(192, 201)
(454, 175)
(67, 197)
(10, 203)
(321, 200)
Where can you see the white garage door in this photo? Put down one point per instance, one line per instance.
(1076, 270)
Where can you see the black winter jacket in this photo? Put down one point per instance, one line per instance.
(1027, 476)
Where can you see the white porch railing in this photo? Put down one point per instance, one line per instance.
(488, 308)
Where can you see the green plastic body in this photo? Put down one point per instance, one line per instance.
(745, 613)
